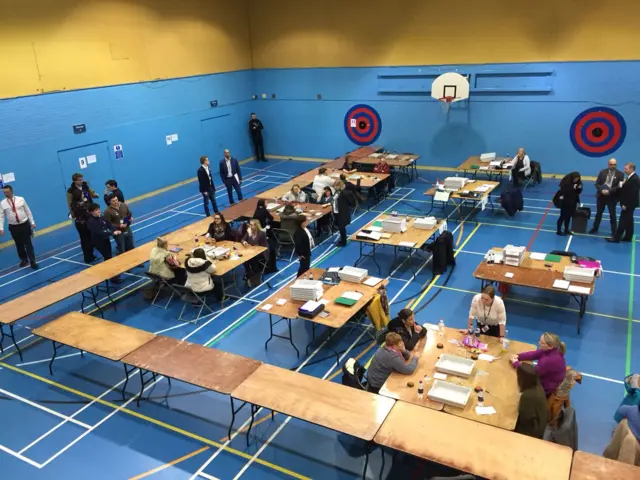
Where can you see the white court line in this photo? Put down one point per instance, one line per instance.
(20, 457)
(598, 377)
(43, 408)
(566, 249)
(208, 477)
(29, 274)
(189, 213)
(85, 265)
(46, 360)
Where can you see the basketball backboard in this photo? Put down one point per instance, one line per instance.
(450, 87)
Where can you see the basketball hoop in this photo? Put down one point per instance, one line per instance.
(446, 103)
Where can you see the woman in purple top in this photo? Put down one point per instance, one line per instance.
(551, 366)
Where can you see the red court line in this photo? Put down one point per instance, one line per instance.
(535, 234)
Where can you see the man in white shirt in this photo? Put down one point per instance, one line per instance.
(21, 225)
(521, 168)
(322, 180)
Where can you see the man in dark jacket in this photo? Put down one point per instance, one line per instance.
(629, 192)
(206, 186)
(230, 175)
(405, 326)
(111, 189)
(255, 129)
(78, 184)
(343, 202)
(303, 244)
(120, 218)
(101, 232)
(607, 189)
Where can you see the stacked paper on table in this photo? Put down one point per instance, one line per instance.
(487, 157)
(353, 274)
(494, 256)
(580, 290)
(514, 256)
(394, 224)
(304, 290)
(483, 188)
(370, 235)
(495, 163)
(561, 284)
(217, 252)
(454, 183)
(272, 206)
(579, 274)
(426, 223)
(372, 281)
(537, 256)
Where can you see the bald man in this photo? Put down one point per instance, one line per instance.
(521, 168)
(230, 175)
(607, 189)
(629, 199)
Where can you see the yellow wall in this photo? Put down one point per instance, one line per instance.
(49, 45)
(330, 33)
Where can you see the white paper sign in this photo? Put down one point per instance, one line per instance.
(353, 123)
(441, 196)
(169, 141)
(83, 162)
(443, 227)
(92, 159)
(439, 376)
(174, 137)
(8, 177)
(266, 307)
(483, 203)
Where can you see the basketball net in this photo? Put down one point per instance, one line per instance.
(446, 103)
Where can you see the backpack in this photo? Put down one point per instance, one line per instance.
(442, 252)
(512, 201)
(353, 374)
(566, 433)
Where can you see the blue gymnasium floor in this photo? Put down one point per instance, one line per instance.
(75, 424)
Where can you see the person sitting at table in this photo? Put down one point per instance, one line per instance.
(632, 414)
(392, 357)
(521, 167)
(290, 218)
(165, 265)
(567, 199)
(262, 214)
(219, 230)
(532, 408)
(255, 236)
(405, 326)
(490, 312)
(551, 367)
(383, 167)
(349, 167)
(326, 198)
(199, 270)
(321, 181)
(295, 195)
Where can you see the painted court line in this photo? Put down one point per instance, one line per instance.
(47, 360)
(171, 463)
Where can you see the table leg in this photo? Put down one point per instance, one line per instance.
(94, 297)
(254, 410)
(56, 345)
(127, 372)
(12, 336)
(108, 289)
(143, 383)
(368, 450)
(383, 461)
(234, 411)
(275, 335)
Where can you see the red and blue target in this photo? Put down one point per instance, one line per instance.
(598, 131)
(362, 124)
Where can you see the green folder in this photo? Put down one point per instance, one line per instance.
(553, 258)
(347, 302)
(475, 167)
(377, 223)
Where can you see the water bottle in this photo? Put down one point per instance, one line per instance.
(196, 240)
(480, 398)
(505, 341)
(420, 390)
(310, 276)
(441, 327)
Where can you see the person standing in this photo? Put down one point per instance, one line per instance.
(629, 191)
(78, 184)
(607, 189)
(111, 188)
(521, 168)
(490, 313)
(80, 215)
(568, 197)
(101, 233)
(303, 244)
(343, 202)
(120, 217)
(21, 225)
(206, 185)
(255, 129)
(231, 175)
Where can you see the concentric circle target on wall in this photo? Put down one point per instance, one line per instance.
(362, 124)
(598, 131)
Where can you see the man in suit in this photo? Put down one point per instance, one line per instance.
(629, 191)
(206, 186)
(255, 129)
(607, 189)
(230, 175)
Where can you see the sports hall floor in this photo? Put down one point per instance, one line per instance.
(75, 424)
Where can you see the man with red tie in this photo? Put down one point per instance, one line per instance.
(21, 225)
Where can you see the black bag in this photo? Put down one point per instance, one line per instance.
(353, 374)
(580, 219)
(536, 172)
(512, 201)
(442, 253)
(556, 199)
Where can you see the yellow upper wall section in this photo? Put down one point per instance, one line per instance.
(49, 45)
(333, 33)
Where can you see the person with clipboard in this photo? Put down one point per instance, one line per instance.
(230, 175)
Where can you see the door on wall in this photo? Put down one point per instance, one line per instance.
(93, 161)
(214, 138)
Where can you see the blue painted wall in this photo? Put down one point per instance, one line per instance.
(139, 116)
(511, 105)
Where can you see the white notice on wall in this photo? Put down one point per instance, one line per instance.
(8, 177)
(92, 159)
(353, 123)
(83, 162)
(174, 137)
(169, 141)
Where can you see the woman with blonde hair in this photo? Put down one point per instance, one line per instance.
(551, 367)
(295, 195)
(164, 264)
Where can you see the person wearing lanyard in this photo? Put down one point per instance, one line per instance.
(490, 312)
(21, 225)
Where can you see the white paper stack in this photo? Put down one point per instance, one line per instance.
(354, 178)
(394, 224)
(488, 157)
(304, 290)
(514, 256)
(454, 183)
(494, 256)
(426, 223)
(579, 274)
(373, 235)
(353, 274)
(272, 206)
(218, 252)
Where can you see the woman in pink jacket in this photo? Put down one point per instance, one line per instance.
(551, 367)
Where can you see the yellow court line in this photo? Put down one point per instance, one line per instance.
(171, 463)
(539, 304)
(433, 282)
